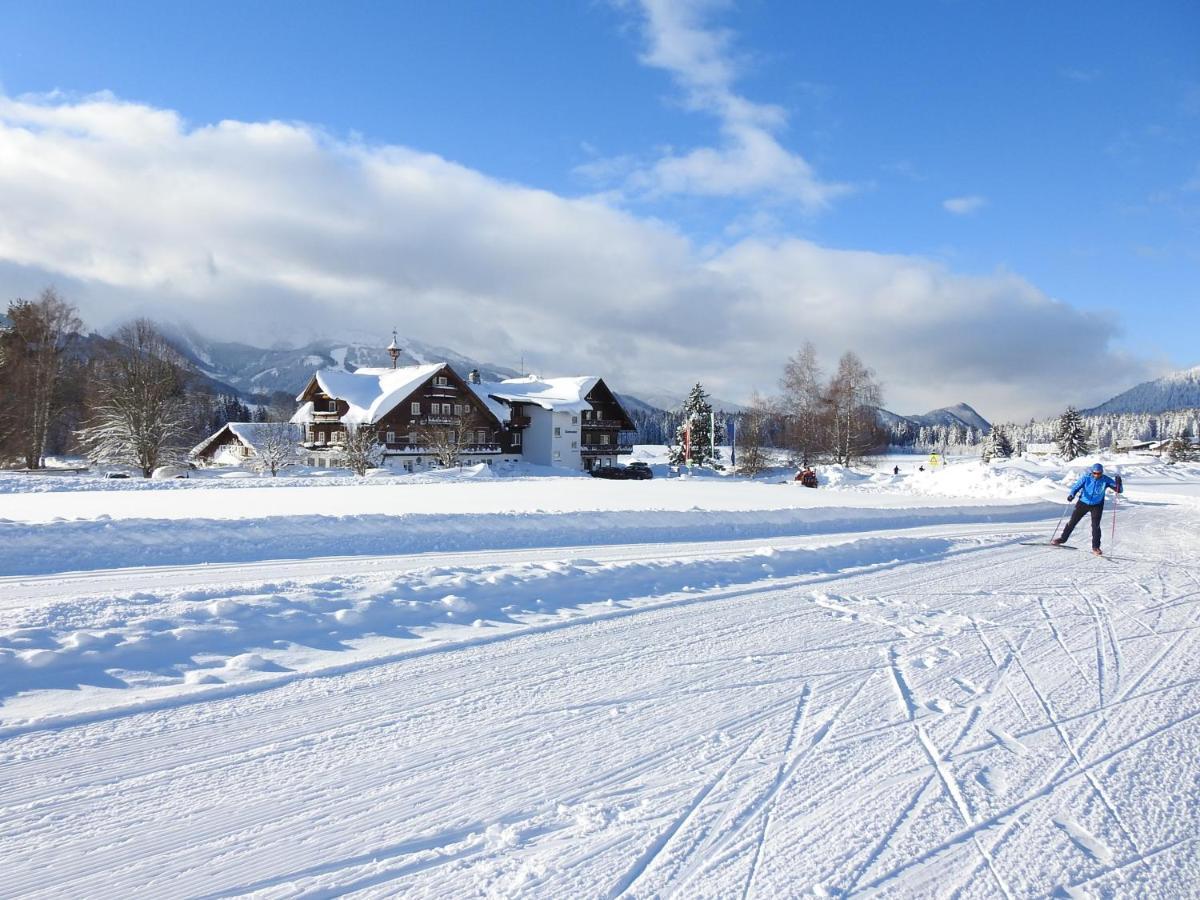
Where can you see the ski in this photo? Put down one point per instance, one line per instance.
(1047, 544)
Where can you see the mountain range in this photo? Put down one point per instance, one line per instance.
(958, 415)
(237, 368)
(1177, 390)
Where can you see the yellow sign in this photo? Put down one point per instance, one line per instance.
(934, 460)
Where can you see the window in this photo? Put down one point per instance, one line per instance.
(451, 438)
(481, 437)
(587, 414)
(574, 420)
(333, 406)
(516, 439)
(416, 407)
(574, 445)
(458, 409)
(558, 454)
(446, 409)
(320, 437)
(557, 431)
(441, 381)
(466, 409)
(391, 437)
(412, 439)
(604, 440)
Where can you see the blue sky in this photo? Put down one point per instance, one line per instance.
(918, 168)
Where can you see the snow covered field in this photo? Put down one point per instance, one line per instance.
(478, 686)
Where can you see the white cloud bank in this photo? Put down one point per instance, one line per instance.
(257, 231)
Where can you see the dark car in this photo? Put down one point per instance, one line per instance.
(614, 472)
(639, 471)
(632, 472)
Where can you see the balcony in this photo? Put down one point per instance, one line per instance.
(517, 421)
(398, 449)
(603, 423)
(605, 449)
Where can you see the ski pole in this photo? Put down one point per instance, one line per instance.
(1060, 518)
(1112, 539)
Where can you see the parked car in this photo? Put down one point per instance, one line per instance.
(614, 472)
(636, 471)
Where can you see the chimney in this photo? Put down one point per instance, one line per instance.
(393, 349)
(473, 376)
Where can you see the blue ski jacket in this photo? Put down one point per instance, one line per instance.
(1091, 490)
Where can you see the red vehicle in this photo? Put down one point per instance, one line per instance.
(807, 477)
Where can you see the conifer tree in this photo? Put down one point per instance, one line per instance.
(996, 445)
(1071, 437)
(696, 414)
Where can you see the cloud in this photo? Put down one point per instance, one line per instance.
(261, 231)
(750, 160)
(962, 206)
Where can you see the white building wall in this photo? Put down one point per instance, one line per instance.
(537, 439)
(569, 436)
(553, 439)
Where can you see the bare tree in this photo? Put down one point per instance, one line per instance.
(361, 449)
(801, 405)
(139, 412)
(33, 355)
(754, 426)
(445, 441)
(276, 447)
(850, 411)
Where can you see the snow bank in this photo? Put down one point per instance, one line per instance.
(221, 634)
(62, 546)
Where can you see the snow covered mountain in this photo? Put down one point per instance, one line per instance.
(1178, 390)
(256, 370)
(960, 414)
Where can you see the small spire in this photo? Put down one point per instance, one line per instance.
(393, 349)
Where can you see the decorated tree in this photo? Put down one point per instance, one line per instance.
(693, 439)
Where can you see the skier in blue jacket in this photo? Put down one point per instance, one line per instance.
(1091, 488)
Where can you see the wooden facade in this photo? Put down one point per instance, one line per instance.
(442, 407)
(603, 427)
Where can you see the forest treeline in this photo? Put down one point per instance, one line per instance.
(130, 396)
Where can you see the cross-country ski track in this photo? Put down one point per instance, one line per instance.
(983, 719)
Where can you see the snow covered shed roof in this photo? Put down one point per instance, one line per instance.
(249, 433)
(370, 393)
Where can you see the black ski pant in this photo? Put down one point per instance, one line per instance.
(1081, 510)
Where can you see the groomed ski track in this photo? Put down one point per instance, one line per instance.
(994, 720)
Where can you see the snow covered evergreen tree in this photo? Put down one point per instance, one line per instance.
(996, 445)
(1072, 436)
(697, 412)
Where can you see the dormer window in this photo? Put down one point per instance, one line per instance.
(441, 381)
(333, 406)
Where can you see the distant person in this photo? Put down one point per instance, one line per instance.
(920, 468)
(1091, 488)
(895, 470)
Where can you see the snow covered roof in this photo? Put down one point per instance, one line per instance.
(566, 394)
(249, 433)
(370, 393)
